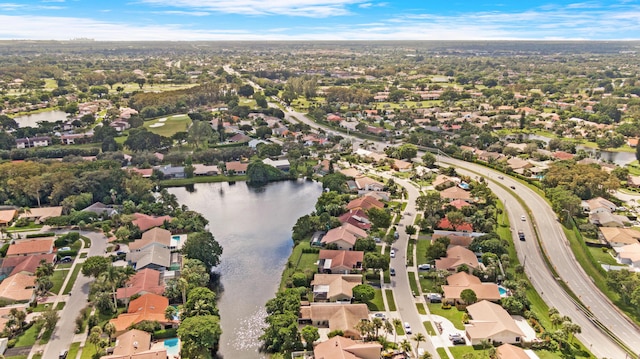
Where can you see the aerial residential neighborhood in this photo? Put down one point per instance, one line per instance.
(311, 199)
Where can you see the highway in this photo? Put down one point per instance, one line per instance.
(554, 242)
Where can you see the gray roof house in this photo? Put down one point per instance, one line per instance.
(101, 209)
(154, 257)
(172, 172)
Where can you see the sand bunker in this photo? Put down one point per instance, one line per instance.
(162, 119)
(157, 124)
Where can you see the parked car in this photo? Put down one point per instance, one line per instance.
(434, 297)
(407, 328)
(453, 336)
(66, 259)
(424, 266)
(63, 354)
(459, 341)
(392, 272)
(392, 253)
(379, 315)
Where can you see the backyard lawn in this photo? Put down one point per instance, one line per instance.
(376, 304)
(28, 338)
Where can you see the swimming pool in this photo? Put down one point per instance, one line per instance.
(172, 346)
(503, 291)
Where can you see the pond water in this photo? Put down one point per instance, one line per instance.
(48, 116)
(619, 158)
(253, 225)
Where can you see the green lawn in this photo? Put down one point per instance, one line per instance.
(28, 338)
(390, 301)
(298, 262)
(179, 182)
(87, 352)
(421, 249)
(58, 278)
(132, 86)
(442, 353)
(413, 283)
(601, 256)
(172, 125)
(420, 308)
(399, 329)
(376, 304)
(73, 350)
(453, 314)
(72, 280)
(429, 328)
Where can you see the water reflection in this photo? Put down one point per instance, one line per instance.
(253, 224)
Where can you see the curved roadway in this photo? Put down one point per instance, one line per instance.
(552, 238)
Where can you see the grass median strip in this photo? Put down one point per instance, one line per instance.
(390, 301)
(72, 280)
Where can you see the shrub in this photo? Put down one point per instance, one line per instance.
(165, 333)
(12, 343)
(39, 235)
(62, 254)
(4, 249)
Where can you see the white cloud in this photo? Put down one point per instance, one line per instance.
(303, 8)
(178, 12)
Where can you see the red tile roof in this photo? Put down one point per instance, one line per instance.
(31, 246)
(464, 227)
(144, 281)
(28, 264)
(146, 222)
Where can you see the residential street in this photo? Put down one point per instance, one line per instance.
(65, 330)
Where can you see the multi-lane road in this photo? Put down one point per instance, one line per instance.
(541, 222)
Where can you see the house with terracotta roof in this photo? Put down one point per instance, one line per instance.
(41, 214)
(454, 240)
(31, 246)
(25, 264)
(365, 203)
(18, 288)
(367, 184)
(457, 256)
(402, 166)
(155, 236)
(7, 216)
(458, 204)
(350, 172)
(334, 316)
(145, 222)
(136, 344)
(456, 193)
(561, 155)
(143, 282)
(343, 237)
(447, 225)
(508, 351)
(356, 218)
(345, 348)
(460, 281)
(489, 321)
(148, 307)
(446, 181)
(237, 167)
(338, 261)
(334, 287)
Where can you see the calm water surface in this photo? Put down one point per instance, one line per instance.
(48, 116)
(253, 225)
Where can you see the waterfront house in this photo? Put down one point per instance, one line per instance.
(28, 142)
(136, 344)
(143, 282)
(148, 307)
(236, 167)
(155, 236)
(145, 222)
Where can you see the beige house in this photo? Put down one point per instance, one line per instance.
(508, 351)
(40, 215)
(629, 254)
(345, 348)
(489, 321)
(457, 256)
(617, 237)
(334, 287)
(458, 282)
(343, 317)
(456, 193)
(344, 236)
(27, 247)
(18, 288)
(7, 216)
(154, 236)
(136, 344)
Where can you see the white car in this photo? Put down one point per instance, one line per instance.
(407, 328)
(523, 218)
(392, 253)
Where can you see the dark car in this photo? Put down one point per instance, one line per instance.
(521, 235)
(66, 259)
(512, 187)
(392, 272)
(459, 341)
(63, 354)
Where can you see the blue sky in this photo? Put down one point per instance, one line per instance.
(319, 20)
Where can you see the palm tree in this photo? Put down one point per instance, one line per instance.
(405, 345)
(113, 276)
(396, 324)
(418, 337)
(170, 313)
(183, 285)
(110, 329)
(377, 324)
(485, 343)
(388, 327)
(556, 319)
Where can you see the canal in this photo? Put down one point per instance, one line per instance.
(253, 225)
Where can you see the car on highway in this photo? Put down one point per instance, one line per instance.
(523, 218)
(500, 177)
(392, 272)
(521, 235)
(407, 328)
(392, 253)
(512, 187)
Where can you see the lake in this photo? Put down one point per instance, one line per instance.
(253, 225)
(48, 116)
(618, 158)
